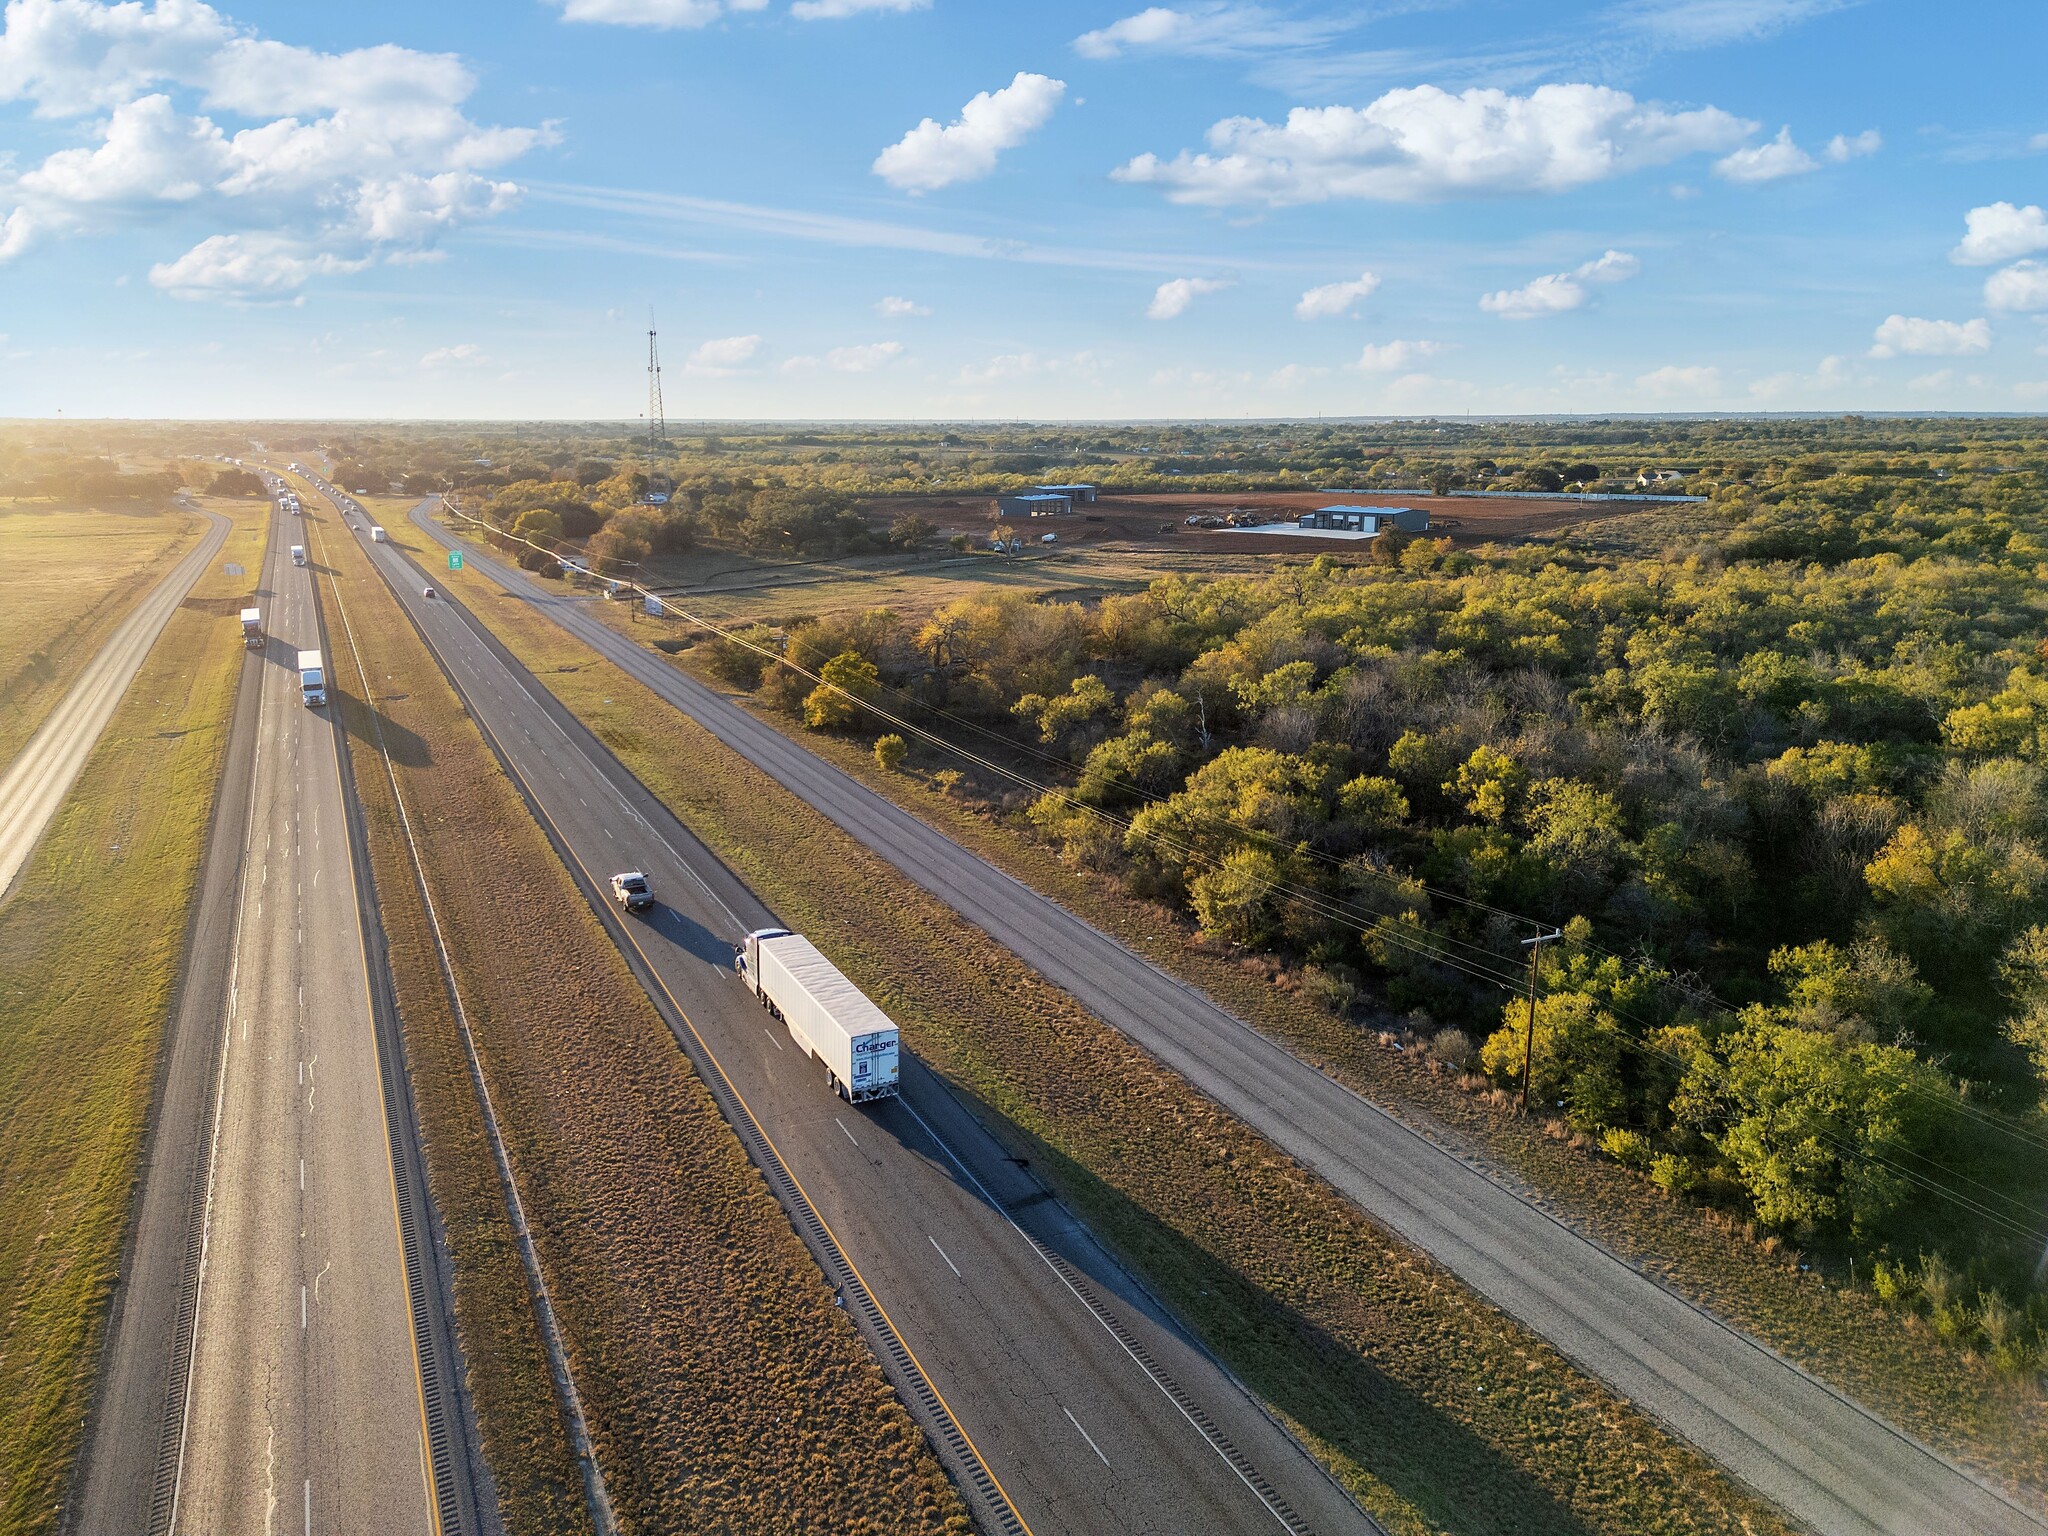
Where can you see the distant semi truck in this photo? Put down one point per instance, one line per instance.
(377, 535)
(298, 554)
(827, 1015)
(312, 678)
(252, 627)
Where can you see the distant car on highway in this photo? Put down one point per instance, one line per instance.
(426, 591)
(631, 891)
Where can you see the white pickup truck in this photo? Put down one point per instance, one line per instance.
(631, 891)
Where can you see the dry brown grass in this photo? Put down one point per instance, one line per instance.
(83, 1001)
(724, 1390)
(1439, 1413)
(68, 575)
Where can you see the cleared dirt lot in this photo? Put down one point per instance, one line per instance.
(1143, 518)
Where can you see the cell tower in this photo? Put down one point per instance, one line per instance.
(657, 419)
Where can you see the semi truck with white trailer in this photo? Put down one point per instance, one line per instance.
(312, 678)
(377, 535)
(298, 554)
(252, 627)
(827, 1015)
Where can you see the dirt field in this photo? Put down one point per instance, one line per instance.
(1144, 519)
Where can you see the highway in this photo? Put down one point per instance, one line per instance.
(261, 1372)
(1833, 1465)
(36, 782)
(1061, 1398)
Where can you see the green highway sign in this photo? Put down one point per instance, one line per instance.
(454, 559)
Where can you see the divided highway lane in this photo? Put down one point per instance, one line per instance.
(303, 1407)
(1091, 1411)
(36, 782)
(1836, 1467)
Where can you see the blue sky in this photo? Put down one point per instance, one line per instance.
(880, 208)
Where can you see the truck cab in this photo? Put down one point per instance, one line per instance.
(252, 627)
(631, 891)
(298, 554)
(312, 679)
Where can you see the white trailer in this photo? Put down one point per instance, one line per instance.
(312, 678)
(376, 535)
(298, 554)
(252, 627)
(827, 1015)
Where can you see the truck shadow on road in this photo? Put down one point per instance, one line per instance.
(1438, 1455)
(373, 729)
(693, 938)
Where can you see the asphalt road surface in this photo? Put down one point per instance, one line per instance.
(1833, 1465)
(1090, 1410)
(37, 781)
(303, 1406)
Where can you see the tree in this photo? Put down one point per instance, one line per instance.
(237, 482)
(1238, 900)
(911, 531)
(890, 750)
(829, 707)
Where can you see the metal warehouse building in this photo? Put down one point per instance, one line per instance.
(1035, 504)
(1079, 495)
(1367, 519)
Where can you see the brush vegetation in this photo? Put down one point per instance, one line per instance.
(1438, 1413)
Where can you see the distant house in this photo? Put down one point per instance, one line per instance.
(1035, 504)
(1077, 494)
(1651, 479)
(1350, 519)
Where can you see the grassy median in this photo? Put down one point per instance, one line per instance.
(725, 1392)
(90, 945)
(68, 576)
(1438, 1412)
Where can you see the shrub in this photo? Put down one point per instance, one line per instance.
(741, 659)
(947, 781)
(890, 750)
(1631, 1149)
(1673, 1174)
(833, 704)
(1893, 1284)
(1453, 1047)
(1329, 989)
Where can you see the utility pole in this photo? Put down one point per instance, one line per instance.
(1535, 948)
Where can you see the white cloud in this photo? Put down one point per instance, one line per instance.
(1710, 23)
(898, 308)
(833, 10)
(1393, 356)
(349, 159)
(1173, 297)
(721, 356)
(1423, 143)
(1558, 292)
(1842, 149)
(246, 267)
(2023, 285)
(861, 359)
(1019, 365)
(1334, 299)
(462, 352)
(665, 15)
(1766, 162)
(1674, 383)
(1215, 30)
(1903, 336)
(931, 156)
(1999, 232)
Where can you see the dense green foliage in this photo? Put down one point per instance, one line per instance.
(1776, 764)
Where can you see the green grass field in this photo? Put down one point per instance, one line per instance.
(68, 575)
(83, 1002)
(1439, 1413)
